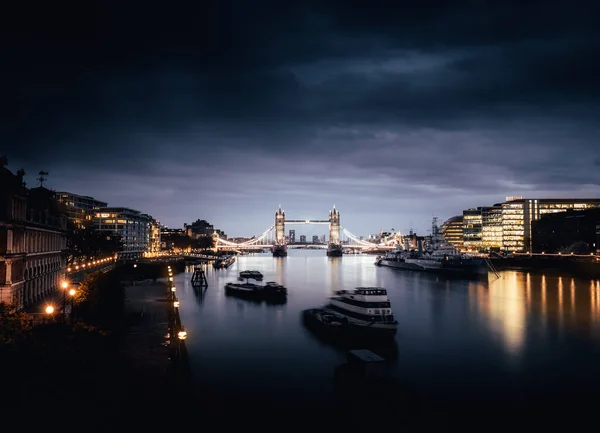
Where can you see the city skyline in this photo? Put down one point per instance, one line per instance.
(394, 115)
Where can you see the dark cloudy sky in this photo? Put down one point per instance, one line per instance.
(392, 111)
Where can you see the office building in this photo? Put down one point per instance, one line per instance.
(79, 208)
(472, 229)
(452, 230)
(302, 239)
(292, 238)
(566, 232)
(315, 239)
(518, 214)
(133, 227)
(491, 228)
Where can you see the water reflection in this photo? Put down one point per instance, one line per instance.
(507, 304)
(451, 332)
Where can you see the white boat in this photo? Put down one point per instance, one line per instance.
(366, 309)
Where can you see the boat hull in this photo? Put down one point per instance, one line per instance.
(347, 331)
(463, 268)
(256, 292)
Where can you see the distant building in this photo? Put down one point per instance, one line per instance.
(570, 231)
(315, 239)
(79, 208)
(519, 213)
(198, 228)
(154, 242)
(472, 229)
(452, 230)
(292, 238)
(32, 240)
(323, 239)
(302, 239)
(491, 227)
(133, 227)
(171, 238)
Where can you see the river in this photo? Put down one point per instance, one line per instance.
(519, 337)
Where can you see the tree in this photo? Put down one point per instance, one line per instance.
(85, 243)
(100, 297)
(14, 325)
(203, 242)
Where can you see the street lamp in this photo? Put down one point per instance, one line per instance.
(65, 286)
(72, 295)
(176, 304)
(173, 289)
(182, 335)
(49, 310)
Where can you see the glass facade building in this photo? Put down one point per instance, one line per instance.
(472, 229)
(79, 208)
(134, 229)
(452, 230)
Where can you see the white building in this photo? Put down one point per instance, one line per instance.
(135, 229)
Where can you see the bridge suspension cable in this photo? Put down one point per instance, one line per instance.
(246, 243)
(357, 240)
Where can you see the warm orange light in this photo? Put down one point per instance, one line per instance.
(72, 292)
(182, 335)
(176, 304)
(170, 278)
(64, 284)
(83, 266)
(68, 269)
(49, 309)
(77, 267)
(173, 289)
(135, 266)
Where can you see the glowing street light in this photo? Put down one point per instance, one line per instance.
(182, 335)
(135, 265)
(170, 278)
(72, 292)
(173, 289)
(176, 304)
(49, 310)
(65, 286)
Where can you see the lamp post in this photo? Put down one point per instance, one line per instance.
(49, 311)
(72, 293)
(65, 286)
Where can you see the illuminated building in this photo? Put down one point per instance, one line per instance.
(133, 227)
(472, 230)
(452, 230)
(79, 208)
(292, 237)
(518, 214)
(32, 241)
(153, 237)
(491, 227)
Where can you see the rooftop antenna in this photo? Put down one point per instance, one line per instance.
(42, 179)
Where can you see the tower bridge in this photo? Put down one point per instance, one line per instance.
(274, 236)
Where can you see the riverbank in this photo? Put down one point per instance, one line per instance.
(102, 381)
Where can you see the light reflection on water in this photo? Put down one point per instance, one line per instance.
(452, 333)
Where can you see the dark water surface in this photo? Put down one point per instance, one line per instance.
(521, 337)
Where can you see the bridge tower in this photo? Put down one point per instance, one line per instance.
(334, 226)
(279, 227)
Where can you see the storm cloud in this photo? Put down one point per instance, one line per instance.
(392, 112)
